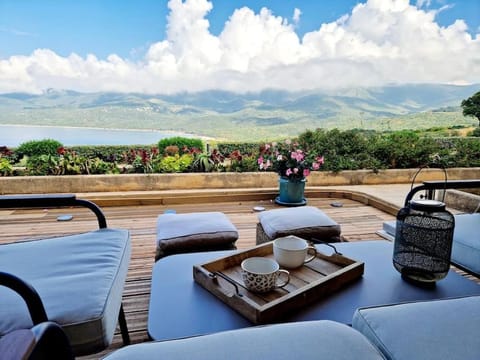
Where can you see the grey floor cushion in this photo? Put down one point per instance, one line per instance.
(307, 222)
(302, 340)
(442, 329)
(80, 279)
(189, 232)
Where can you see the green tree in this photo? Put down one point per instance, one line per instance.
(471, 106)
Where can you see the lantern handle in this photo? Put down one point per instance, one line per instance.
(426, 166)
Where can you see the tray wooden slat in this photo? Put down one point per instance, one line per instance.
(322, 276)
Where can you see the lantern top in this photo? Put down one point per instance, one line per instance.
(427, 205)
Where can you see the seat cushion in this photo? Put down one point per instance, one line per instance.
(302, 340)
(441, 329)
(80, 279)
(466, 242)
(178, 233)
(306, 221)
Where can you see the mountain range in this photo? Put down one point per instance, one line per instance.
(242, 117)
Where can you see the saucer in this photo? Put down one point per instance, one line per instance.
(301, 203)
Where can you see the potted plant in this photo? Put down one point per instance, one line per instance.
(293, 165)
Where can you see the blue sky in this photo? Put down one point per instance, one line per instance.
(143, 38)
(126, 27)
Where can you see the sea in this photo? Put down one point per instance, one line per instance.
(14, 135)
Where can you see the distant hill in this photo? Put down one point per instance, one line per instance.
(241, 117)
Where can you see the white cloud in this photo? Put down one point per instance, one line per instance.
(422, 3)
(381, 41)
(296, 15)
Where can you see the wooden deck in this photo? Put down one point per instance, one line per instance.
(358, 222)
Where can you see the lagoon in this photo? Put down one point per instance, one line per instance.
(14, 135)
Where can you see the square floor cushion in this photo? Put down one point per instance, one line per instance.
(191, 232)
(307, 222)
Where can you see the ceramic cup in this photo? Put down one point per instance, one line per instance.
(262, 274)
(292, 252)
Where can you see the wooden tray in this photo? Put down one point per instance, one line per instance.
(309, 283)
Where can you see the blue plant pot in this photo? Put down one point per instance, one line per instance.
(291, 192)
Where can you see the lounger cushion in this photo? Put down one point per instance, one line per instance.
(301, 340)
(442, 329)
(178, 233)
(466, 242)
(80, 279)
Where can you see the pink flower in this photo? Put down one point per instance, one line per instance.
(297, 155)
(289, 160)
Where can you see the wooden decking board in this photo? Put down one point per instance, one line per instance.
(358, 221)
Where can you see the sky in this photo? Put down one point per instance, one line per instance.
(162, 46)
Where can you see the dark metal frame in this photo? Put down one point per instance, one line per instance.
(431, 186)
(48, 338)
(27, 292)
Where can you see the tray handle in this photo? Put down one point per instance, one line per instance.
(226, 278)
(328, 244)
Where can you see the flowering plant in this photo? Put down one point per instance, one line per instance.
(288, 160)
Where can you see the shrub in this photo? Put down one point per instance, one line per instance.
(43, 165)
(39, 147)
(182, 143)
(98, 166)
(174, 164)
(246, 149)
(476, 132)
(6, 169)
(241, 163)
(404, 149)
(342, 150)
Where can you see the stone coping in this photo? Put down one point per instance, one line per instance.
(198, 181)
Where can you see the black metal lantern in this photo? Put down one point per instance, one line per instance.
(423, 240)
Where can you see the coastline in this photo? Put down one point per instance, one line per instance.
(173, 132)
(12, 135)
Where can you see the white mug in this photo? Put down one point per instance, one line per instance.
(291, 251)
(261, 274)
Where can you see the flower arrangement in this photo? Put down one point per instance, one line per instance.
(288, 160)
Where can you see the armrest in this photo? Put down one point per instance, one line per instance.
(51, 201)
(431, 186)
(51, 342)
(28, 294)
(44, 341)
